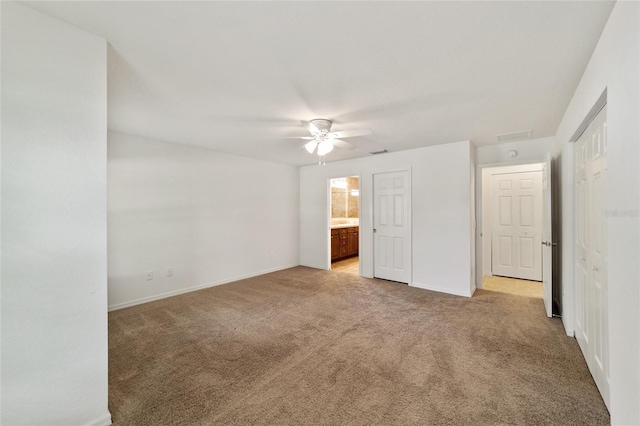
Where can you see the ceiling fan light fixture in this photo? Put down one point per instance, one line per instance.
(325, 147)
(321, 142)
(311, 146)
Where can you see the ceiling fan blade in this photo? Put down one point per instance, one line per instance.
(293, 137)
(311, 127)
(343, 144)
(351, 133)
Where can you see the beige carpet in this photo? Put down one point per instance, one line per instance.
(512, 286)
(304, 346)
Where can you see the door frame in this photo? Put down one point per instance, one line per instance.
(566, 226)
(409, 218)
(328, 216)
(483, 210)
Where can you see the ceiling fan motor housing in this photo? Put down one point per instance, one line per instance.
(322, 124)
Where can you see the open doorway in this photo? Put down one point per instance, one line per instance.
(512, 229)
(345, 224)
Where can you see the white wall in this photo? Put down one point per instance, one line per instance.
(54, 225)
(615, 66)
(474, 224)
(564, 162)
(441, 219)
(213, 217)
(529, 151)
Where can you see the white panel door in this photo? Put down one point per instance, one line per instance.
(516, 225)
(591, 251)
(547, 242)
(581, 249)
(391, 223)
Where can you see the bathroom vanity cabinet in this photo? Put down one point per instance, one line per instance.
(344, 242)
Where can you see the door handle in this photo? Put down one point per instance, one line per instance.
(549, 243)
(375, 230)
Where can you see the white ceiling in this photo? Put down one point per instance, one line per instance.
(235, 77)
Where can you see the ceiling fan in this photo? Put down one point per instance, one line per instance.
(322, 140)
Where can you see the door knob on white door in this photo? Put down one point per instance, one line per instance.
(549, 243)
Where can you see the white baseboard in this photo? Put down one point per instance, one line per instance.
(440, 289)
(101, 421)
(570, 332)
(308, 265)
(195, 288)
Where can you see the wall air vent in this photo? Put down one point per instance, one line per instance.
(515, 136)
(384, 151)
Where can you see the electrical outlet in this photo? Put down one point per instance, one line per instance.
(149, 275)
(170, 272)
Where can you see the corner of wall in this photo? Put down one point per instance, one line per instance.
(55, 229)
(104, 420)
(248, 232)
(473, 213)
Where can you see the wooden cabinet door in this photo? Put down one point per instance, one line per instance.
(357, 241)
(335, 245)
(352, 241)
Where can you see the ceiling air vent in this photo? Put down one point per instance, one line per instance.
(384, 151)
(515, 136)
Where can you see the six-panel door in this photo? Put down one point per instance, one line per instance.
(391, 216)
(516, 240)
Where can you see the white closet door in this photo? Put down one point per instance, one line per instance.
(516, 240)
(591, 251)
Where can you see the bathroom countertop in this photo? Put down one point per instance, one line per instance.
(346, 225)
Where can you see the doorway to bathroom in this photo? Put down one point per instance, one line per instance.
(344, 226)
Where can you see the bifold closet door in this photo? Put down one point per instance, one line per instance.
(591, 250)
